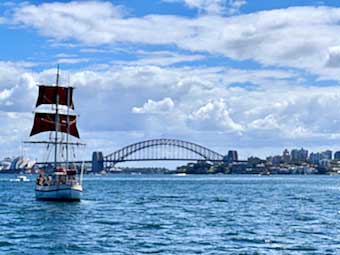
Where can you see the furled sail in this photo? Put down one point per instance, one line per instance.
(48, 95)
(44, 122)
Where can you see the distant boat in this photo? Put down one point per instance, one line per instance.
(23, 178)
(181, 174)
(59, 182)
(136, 173)
(20, 178)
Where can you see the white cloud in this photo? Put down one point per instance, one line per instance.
(161, 58)
(298, 37)
(162, 106)
(72, 60)
(202, 105)
(81, 19)
(214, 116)
(17, 87)
(197, 104)
(65, 55)
(5, 94)
(125, 101)
(333, 57)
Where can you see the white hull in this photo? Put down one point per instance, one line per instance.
(62, 192)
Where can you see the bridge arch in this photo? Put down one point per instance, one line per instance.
(157, 149)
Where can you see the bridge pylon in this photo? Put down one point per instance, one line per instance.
(97, 161)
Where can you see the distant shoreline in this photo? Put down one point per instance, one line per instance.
(189, 174)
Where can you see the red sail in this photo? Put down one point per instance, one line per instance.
(46, 122)
(48, 95)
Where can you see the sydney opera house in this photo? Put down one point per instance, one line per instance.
(18, 164)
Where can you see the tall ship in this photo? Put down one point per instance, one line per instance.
(58, 180)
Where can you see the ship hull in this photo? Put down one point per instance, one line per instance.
(63, 193)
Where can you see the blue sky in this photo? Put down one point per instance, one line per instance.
(256, 76)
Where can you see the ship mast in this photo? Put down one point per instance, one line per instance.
(68, 122)
(56, 121)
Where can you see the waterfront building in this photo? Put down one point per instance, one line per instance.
(239, 168)
(276, 160)
(325, 162)
(314, 158)
(303, 170)
(327, 154)
(21, 163)
(299, 155)
(337, 155)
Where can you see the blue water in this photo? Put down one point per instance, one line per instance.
(160, 214)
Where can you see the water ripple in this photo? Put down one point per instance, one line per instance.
(175, 215)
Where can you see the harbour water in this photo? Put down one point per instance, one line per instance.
(161, 214)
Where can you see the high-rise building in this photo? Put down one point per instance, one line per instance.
(314, 158)
(337, 155)
(295, 154)
(303, 154)
(299, 155)
(286, 156)
(327, 154)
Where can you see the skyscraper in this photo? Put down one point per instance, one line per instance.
(286, 156)
(299, 155)
(337, 155)
(327, 154)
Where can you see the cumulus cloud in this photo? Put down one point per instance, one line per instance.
(17, 87)
(213, 116)
(77, 18)
(202, 105)
(298, 37)
(162, 106)
(153, 96)
(189, 103)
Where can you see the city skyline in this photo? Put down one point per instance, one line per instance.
(296, 161)
(246, 75)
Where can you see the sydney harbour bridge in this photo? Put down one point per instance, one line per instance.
(156, 150)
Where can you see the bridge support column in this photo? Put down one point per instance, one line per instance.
(97, 161)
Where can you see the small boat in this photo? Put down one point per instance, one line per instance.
(180, 174)
(58, 180)
(20, 178)
(136, 173)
